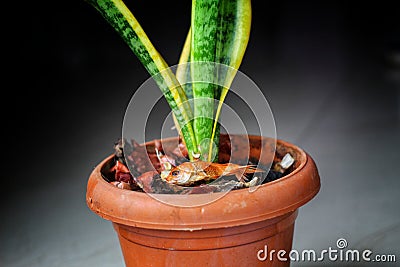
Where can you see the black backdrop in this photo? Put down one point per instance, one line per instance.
(68, 76)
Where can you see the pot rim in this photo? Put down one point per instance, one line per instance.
(235, 208)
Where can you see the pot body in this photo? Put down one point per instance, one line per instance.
(240, 228)
(246, 245)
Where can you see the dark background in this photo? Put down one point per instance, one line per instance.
(73, 75)
(330, 70)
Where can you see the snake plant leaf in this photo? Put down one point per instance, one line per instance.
(122, 20)
(183, 74)
(233, 37)
(183, 69)
(219, 33)
(204, 22)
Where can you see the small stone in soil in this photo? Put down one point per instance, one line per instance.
(122, 185)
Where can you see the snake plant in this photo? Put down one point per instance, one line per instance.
(219, 33)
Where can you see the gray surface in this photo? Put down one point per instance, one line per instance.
(331, 94)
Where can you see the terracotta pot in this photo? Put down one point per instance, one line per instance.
(231, 231)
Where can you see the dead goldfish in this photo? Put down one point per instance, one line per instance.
(189, 173)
